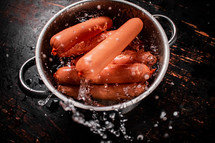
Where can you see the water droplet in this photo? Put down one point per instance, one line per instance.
(156, 125)
(53, 106)
(85, 14)
(32, 48)
(50, 59)
(146, 76)
(112, 116)
(104, 136)
(140, 137)
(163, 116)
(43, 102)
(156, 97)
(176, 114)
(40, 81)
(9, 87)
(105, 85)
(99, 7)
(67, 24)
(44, 56)
(108, 125)
(166, 135)
(28, 81)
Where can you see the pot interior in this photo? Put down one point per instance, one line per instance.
(118, 11)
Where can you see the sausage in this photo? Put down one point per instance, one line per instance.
(131, 56)
(95, 60)
(113, 73)
(67, 75)
(126, 57)
(123, 73)
(69, 90)
(146, 58)
(117, 92)
(86, 45)
(64, 40)
(107, 91)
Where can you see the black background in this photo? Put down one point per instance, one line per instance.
(187, 88)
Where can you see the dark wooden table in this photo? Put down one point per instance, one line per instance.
(181, 109)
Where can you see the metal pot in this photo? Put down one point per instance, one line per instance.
(120, 11)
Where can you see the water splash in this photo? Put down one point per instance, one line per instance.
(45, 101)
(101, 123)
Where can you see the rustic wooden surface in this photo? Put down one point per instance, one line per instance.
(181, 109)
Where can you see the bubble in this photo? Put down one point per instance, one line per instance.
(7, 55)
(170, 127)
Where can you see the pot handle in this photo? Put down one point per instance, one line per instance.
(173, 27)
(30, 62)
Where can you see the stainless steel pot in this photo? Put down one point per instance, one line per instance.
(120, 11)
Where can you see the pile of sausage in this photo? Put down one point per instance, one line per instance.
(113, 61)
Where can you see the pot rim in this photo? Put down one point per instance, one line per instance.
(111, 107)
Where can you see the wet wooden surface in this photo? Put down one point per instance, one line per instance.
(181, 109)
